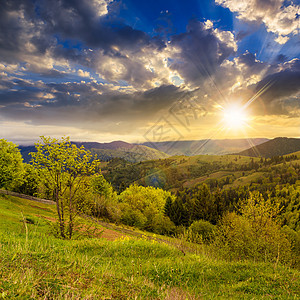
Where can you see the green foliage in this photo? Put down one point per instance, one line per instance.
(201, 228)
(103, 199)
(65, 169)
(202, 204)
(178, 213)
(254, 234)
(30, 183)
(148, 202)
(11, 165)
(294, 238)
(132, 217)
(163, 225)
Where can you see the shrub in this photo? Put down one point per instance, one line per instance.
(132, 217)
(201, 228)
(163, 225)
(294, 238)
(254, 234)
(144, 206)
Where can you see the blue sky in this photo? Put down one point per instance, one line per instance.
(104, 70)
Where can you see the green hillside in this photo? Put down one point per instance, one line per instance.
(203, 147)
(276, 147)
(177, 171)
(186, 171)
(36, 265)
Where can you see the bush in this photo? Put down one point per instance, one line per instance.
(163, 225)
(132, 217)
(203, 229)
(294, 238)
(11, 165)
(254, 234)
(30, 183)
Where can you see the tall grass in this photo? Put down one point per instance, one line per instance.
(37, 265)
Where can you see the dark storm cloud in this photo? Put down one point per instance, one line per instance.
(282, 84)
(201, 52)
(281, 89)
(64, 30)
(78, 20)
(253, 66)
(82, 105)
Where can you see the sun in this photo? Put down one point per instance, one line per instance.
(234, 117)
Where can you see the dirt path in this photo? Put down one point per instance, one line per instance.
(111, 231)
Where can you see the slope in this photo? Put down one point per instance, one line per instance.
(36, 265)
(203, 147)
(276, 147)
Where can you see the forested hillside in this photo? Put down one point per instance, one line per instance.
(275, 147)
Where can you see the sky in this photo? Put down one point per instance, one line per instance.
(149, 70)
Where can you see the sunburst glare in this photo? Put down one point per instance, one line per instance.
(234, 117)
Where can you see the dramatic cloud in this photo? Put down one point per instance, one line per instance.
(279, 16)
(86, 65)
(201, 51)
(282, 89)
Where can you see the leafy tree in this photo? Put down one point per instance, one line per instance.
(11, 165)
(30, 183)
(65, 169)
(104, 199)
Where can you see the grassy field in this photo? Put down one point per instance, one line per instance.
(36, 265)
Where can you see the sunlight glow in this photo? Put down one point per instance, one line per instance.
(234, 117)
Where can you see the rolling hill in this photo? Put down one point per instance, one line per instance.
(203, 147)
(276, 147)
(107, 151)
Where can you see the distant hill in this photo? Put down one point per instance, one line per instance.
(107, 146)
(276, 147)
(203, 147)
(136, 153)
(107, 151)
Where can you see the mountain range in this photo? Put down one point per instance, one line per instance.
(159, 150)
(107, 151)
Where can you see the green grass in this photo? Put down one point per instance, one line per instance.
(37, 265)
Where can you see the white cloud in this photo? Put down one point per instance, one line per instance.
(100, 7)
(82, 73)
(279, 19)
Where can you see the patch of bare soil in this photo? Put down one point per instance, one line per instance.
(93, 231)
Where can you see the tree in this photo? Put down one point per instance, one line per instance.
(203, 204)
(104, 199)
(65, 168)
(11, 165)
(30, 183)
(148, 202)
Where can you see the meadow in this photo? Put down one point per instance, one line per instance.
(37, 265)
